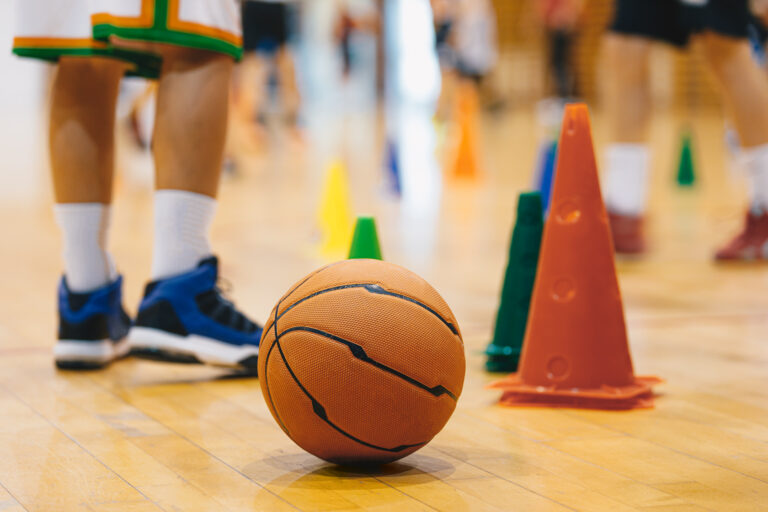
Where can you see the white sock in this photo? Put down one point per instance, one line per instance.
(87, 264)
(182, 222)
(625, 181)
(755, 162)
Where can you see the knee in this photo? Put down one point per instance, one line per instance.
(626, 57)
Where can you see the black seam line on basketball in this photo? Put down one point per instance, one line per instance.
(372, 288)
(319, 410)
(360, 354)
(269, 393)
(310, 276)
(266, 379)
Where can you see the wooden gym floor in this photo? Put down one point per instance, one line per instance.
(150, 436)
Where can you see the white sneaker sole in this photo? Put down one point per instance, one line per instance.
(205, 350)
(89, 353)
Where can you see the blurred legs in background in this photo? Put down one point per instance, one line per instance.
(267, 60)
(628, 109)
(722, 28)
(745, 89)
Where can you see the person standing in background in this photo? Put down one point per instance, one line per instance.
(722, 28)
(560, 19)
(267, 54)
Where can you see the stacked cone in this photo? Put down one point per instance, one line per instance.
(335, 213)
(575, 352)
(504, 351)
(464, 163)
(365, 241)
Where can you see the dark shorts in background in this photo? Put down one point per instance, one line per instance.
(674, 21)
(265, 26)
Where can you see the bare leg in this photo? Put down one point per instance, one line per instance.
(252, 86)
(250, 92)
(744, 86)
(746, 92)
(628, 105)
(82, 128)
(627, 90)
(288, 87)
(190, 129)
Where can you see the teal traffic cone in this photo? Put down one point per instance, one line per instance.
(504, 351)
(686, 175)
(365, 241)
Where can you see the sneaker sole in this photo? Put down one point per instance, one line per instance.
(161, 345)
(87, 355)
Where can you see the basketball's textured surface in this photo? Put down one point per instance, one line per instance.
(361, 362)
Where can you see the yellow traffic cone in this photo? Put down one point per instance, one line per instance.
(335, 214)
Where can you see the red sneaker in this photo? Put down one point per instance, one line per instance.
(749, 245)
(628, 233)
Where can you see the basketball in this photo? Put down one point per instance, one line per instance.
(361, 362)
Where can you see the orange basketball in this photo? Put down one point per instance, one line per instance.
(361, 362)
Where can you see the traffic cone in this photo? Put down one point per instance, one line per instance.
(575, 352)
(392, 166)
(464, 163)
(365, 241)
(686, 176)
(546, 174)
(335, 217)
(504, 351)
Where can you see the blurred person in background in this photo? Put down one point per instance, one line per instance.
(353, 16)
(722, 28)
(268, 60)
(473, 37)
(444, 13)
(467, 46)
(560, 19)
(189, 47)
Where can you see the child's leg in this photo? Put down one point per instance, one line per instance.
(82, 160)
(746, 92)
(190, 133)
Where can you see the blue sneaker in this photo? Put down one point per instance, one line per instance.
(184, 318)
(92, 327)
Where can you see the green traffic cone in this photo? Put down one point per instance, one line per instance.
(686, 176)
(504, 351)
(365, 241)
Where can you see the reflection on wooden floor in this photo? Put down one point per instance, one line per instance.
(151, 436)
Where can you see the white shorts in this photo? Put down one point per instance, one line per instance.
(49, 29)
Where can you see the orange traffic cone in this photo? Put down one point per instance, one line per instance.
(464, 162)
(575, 352)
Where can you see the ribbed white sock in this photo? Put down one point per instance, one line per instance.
(755, 162)
(87, 264)
(625, 180)
(182, 222)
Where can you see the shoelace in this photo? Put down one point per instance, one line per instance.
(223, 288)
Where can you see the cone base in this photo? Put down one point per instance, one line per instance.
(638, 395)
(502, 364)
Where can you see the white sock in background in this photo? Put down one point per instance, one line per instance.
(182, 222)
(755, 162)
(625, 180)
(87, 264)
